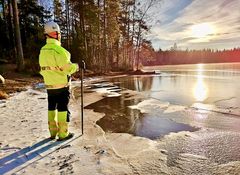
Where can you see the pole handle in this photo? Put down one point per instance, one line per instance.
(82, 97)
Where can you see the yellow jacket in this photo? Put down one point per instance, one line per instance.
(55, 65)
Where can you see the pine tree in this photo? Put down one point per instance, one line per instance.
(20, 58)
(32, 17)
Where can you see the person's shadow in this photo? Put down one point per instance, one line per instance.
(26, 154)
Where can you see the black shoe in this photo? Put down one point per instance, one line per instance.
(52, 137)
(70, 135)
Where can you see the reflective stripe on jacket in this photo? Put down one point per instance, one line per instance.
(55, 64)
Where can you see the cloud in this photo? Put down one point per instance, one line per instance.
(226, 3)
(218, 34)
(175, 26)
(187, 39)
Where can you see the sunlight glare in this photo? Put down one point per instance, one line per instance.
(202, 30)
(200, 91)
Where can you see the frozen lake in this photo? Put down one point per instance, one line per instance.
(189, 84)
(202, 99)
(179, 98)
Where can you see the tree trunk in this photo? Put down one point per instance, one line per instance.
(68, 23)
(138, 46)
(99, 45)
(11, 30)
(3, 10)
(20, 59)
(5, 24)
(133, 33)
(104, 37)
(117, 61)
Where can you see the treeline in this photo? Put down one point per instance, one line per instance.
(107, 34)
(21, 32)
(171, 57)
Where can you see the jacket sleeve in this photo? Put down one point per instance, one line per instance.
(63, 62)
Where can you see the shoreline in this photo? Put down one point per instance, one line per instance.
(24, 117)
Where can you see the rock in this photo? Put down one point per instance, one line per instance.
(164, 152)
(2, 80)
(101, 152)
(3, 95)
(39, 86)
(3, 61)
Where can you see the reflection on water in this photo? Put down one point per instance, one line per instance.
(152, 126)
(120, 118)
(200, 90)
(188, 85)
(177, 85)
(221, 69)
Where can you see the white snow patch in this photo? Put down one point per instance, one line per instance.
(112, 94)
(150, 105)
(214, 108)
(174, 108)
(147, 106)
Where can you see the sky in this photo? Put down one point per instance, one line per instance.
(195, 24)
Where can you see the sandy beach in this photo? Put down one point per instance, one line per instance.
(154, 87)
(25, 149)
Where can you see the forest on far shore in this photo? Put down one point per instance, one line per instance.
(107, 34)
(174, 56)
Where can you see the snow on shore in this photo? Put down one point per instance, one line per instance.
(25, 150)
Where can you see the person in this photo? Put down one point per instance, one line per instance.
(56, 68)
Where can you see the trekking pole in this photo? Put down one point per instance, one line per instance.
(83, 67)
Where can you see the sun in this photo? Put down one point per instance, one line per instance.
(202, 30)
